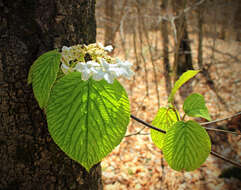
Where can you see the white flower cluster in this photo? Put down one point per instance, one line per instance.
(100, 66)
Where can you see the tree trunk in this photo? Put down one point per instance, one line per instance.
(200, 37)
(29, 157)
(237, 21)
(183, 56)
(109, 28)
(165, 51)
(184, 60)
(183, 53)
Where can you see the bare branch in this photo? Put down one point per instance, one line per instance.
(221, 130)
(189, 9)
(225, 159)
(218, 120)
(214, 153)
(137, 133)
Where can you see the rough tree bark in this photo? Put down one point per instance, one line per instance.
(29, 159)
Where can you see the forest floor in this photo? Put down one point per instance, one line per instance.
(137, 163)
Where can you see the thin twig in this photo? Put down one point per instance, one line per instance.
(225, 159)
(214, 153)
(218, 120)
(137, 133)
(221, 130)
(175, 111)
(192, 7)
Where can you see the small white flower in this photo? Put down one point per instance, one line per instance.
(102, 68)
(108, 48)
(104, 64)
(100, 45)
(65, 48)
(125, 64)
(98, 74)
(108, 73)
(117, 72)
(109, 77)
(87, 69)
(125, 68)
(84, 69)
(65, 68)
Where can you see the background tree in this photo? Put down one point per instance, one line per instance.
(183, 56)
(165, 50)
(109, 29)
(29, 158)
(220, 58)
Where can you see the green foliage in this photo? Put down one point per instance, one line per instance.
(194, 106)
(184, 78)
(87, 119)
(186, 146)
(43, 74)
(164, 119)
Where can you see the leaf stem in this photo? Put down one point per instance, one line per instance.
(214, 153)
(147, 124)
(183, 116)
(175, 111)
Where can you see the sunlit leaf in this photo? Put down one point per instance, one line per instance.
(87, 119)
(194, 106)
(184, 78)
(43, 74)
(164, 119)
(186, 146)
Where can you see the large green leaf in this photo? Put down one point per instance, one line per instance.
(184, 78)
(186, 146)
(164, 119)
(87, 119)
(194, 106)
(43, 74)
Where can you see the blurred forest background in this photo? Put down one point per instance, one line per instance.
(163, 39)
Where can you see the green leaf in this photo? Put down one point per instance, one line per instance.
(194, 106)
(186, 146)
(87, 119)
(43, 74)
(164, 119)
(184, 78)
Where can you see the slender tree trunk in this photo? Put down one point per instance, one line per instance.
(183, 56)
(237, 21)
(183, 53)
(200, 37)
(145, 30)
(109, 28)
(29, 159)
(165, 51)
(184, 61)
(141, 48)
